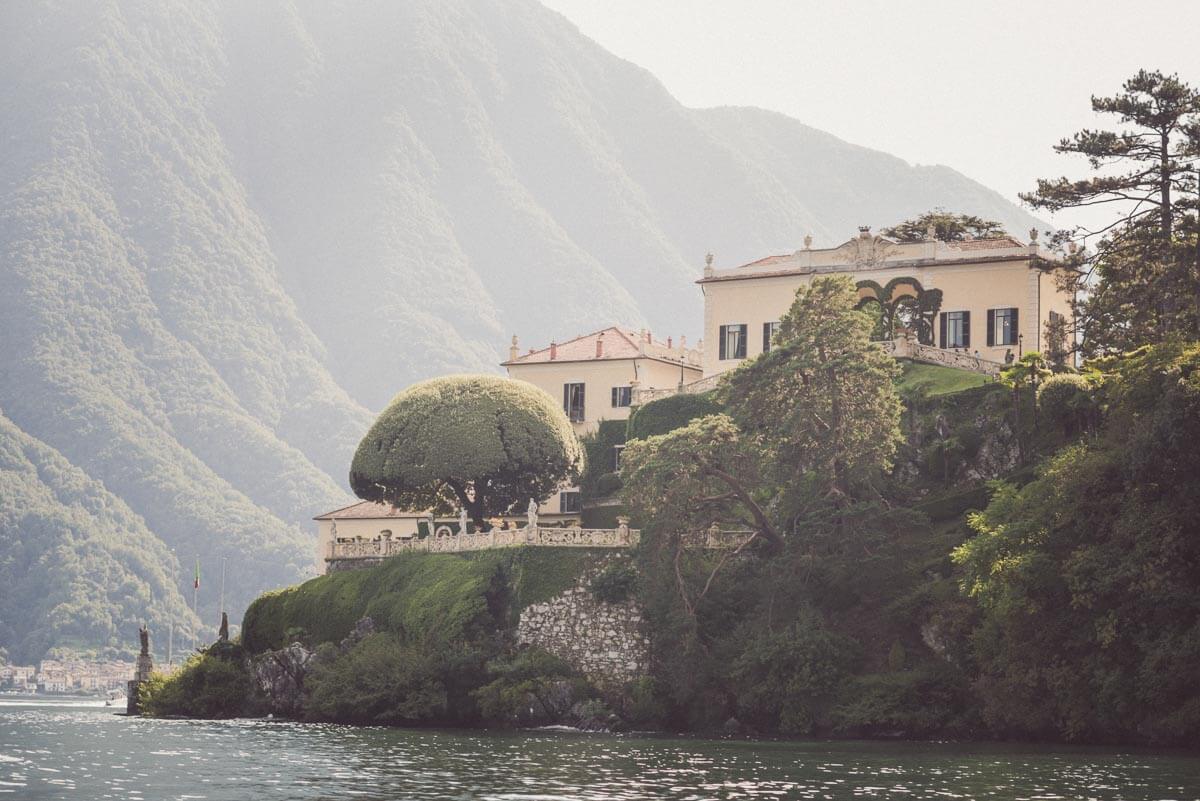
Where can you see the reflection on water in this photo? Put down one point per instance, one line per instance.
(81, 750)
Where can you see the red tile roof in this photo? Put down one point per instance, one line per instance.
(618, 344)
(369, 510)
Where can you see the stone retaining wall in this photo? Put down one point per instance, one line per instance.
(604, 641)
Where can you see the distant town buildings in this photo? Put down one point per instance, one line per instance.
(66, 676)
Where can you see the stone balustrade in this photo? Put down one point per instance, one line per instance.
(641, 396)
(539, 536)
(904, 348)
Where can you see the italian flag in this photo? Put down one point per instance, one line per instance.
(196, 582)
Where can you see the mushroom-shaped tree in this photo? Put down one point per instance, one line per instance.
(479, 442)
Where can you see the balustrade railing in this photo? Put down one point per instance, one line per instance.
(544, 536)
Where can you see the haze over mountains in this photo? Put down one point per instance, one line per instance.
(230, 231)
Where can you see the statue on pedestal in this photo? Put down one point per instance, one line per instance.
(532, 513)
(223, 633)
(463, 525)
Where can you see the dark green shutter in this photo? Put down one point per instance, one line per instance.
(567, 399)
(991, 327)
(766, 337)
(614, 397)
(743, 337)
(966, 317)
(721, 343)
(942, 329)
(1016, 327)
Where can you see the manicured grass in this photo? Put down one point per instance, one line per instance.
(938, 380)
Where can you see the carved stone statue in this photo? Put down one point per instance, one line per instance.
(532, 513)
(462, 521)
(223, 633)
(144, 636)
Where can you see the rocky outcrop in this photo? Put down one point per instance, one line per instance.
(279, 675)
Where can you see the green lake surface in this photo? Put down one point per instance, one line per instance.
(66, 749)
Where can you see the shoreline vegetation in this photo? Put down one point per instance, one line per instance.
(1023, 575)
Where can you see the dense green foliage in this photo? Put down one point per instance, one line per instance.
(481, 442)
(1086, 577)
(414, 595)
(210, 684)
(78, 568)
(599, 479)
(667, 414)
(947, 227)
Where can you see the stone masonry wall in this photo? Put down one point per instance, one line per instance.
(604, 641)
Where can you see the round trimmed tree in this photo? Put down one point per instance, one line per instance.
(480, 442)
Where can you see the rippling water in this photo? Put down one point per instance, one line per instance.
(81, 750)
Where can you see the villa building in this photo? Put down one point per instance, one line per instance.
(985, 297)
(596, 374)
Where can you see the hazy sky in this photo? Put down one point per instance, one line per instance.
(984, 87)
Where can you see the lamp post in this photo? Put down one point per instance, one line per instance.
(1020, 345)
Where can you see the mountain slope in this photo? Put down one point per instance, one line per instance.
(229, 230)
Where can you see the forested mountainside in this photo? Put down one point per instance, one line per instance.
(229, 230)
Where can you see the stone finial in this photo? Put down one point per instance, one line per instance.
(513, 349)
(708, 265)
(1033, 235)
(864, 232)
(808, 241)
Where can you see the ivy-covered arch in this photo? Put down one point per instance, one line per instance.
(902, 301)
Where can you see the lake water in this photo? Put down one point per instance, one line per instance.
(81, 750)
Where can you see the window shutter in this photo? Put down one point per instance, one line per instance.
(721, 343)
(614, 397)
(942, 329)
(766, 337)
(567, 399)
(991, 327)
(582, 406)
(1016, 327)
(743, 336)
(966, 330)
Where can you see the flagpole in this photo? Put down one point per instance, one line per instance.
(223, 561)
(195, 596)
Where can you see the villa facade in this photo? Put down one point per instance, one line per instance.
(596, 375)
(990, 298)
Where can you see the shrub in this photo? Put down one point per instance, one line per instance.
(614, 584)
(667, 414)
(532, 675)
(598, 447)
(382, 680)
(207, 686)
(608, 485)
(1067, 401)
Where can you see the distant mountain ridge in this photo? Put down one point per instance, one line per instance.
(230, 230)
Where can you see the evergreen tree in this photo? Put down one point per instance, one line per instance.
(947, 227)
(1146, 283)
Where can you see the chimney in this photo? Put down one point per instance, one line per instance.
(513, 350)
(670, 343)
(600, 347)
(553, 351)
(649, 337)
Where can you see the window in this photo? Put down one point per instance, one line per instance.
(573, 401)
(622, 396)
(616, 458)
(956, 329)
(769, 332)
(568, 502)
(1002, 327)
(732, 344)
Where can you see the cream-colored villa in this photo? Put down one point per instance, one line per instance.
(973, 304)
(597, 374)
(982, 297)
